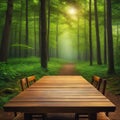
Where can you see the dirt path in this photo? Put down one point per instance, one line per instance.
(116, 100)
(69, 69)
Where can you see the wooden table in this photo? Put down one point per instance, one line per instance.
(60, 94)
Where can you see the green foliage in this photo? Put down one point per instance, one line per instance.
(7, 73)
(4, 98)
(15, 69)
(118, 55)
(114, 84)
(23, 46)
(87, 71)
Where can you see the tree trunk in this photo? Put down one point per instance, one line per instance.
(26, 40)
(57, 31)
(35, 52)
(15, 40)
(48, 34)
(99, 62)
(85, 35)
(105, 40)
(39, 29)
(111, 69)
(20, 31)
(78, 38)
(90, 33)
(117, 55)
(6, 32)
(44, 53)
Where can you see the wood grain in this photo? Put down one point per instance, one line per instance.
(60, 94)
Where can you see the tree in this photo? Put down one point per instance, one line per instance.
(26, 39)
(20, 28)
(105, 41)
(57, 34)
(48, 34)
(99, 62)
(86, 54)
(78, 37)
(90, 33)
(6, 32)
(111, 69)
(35, 34)
(44, 54)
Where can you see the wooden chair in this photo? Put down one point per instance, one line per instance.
(103, 89)
(100, 84)
(103, 86)
(23, 83)
(30, 80)
(96, 81)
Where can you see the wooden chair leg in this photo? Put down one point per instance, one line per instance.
(27, 116)
(44, 117)
(107, 113)
(76, 116)
(15, 113)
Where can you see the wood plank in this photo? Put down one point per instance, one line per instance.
(60, 99)
(62, 89)
(60, 104)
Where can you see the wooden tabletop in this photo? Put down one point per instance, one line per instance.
(64, 94)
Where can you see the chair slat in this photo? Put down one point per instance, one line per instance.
(23, 83)
(30, 80)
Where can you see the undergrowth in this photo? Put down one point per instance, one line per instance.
(87, 71)
(15, 69)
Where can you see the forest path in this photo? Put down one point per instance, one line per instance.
(68, 69)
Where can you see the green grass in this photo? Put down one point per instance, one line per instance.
(84, 69)
(15, 69)
(87, 71)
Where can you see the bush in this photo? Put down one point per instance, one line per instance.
(7, 73)
(15, 69)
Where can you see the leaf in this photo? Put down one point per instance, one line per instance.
(22, 46)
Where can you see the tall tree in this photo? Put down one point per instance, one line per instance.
(20, 28)
(48, 34)
(57, 32)
(44, 53)
(105, 40)
(97, 34)
(15, 39)
(111, 69)
(78, 37)
(117, 46)
(26, 40)
(6, 32)
(40, 28)
(86, 54)
(90, 33)
(35, 39)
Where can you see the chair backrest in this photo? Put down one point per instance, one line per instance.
(103, 86)
(30, 80)
(23, 83)
(96, 81)
(99, 83)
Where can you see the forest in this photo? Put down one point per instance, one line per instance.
(49, 33)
